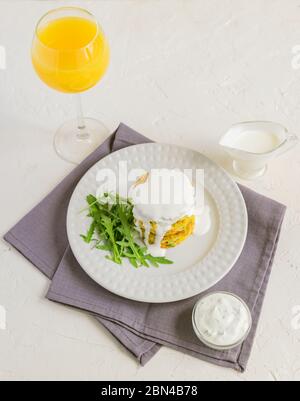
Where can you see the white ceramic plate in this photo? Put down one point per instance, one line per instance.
(199, 262)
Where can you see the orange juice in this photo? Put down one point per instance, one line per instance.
(70, 54)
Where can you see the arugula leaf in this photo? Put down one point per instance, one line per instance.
(133, 262)
(88, 237)
(159, 259)
(113, 230)
(106, 221)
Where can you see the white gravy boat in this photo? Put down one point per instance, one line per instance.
(253, 144)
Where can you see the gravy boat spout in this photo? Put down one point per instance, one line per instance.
(253, 144)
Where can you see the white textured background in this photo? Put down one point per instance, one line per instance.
(182, 71)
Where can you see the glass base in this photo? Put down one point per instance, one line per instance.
(74, 144)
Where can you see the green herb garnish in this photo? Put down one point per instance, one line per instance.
(113, 230)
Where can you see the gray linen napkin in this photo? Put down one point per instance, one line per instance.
(41, 237)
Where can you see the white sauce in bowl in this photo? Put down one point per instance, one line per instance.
(256, 141)
(221, 320)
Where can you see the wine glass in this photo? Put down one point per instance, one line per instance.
(70, 53)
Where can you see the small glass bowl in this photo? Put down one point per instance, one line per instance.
(212, 345)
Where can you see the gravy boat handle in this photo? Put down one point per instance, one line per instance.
(289, 143)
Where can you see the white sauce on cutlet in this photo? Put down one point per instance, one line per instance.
(165, 197)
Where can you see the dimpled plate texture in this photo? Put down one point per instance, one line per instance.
(199, 262)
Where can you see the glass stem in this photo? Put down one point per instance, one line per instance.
(81, 132)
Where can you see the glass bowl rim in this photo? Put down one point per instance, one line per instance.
(213, 345)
